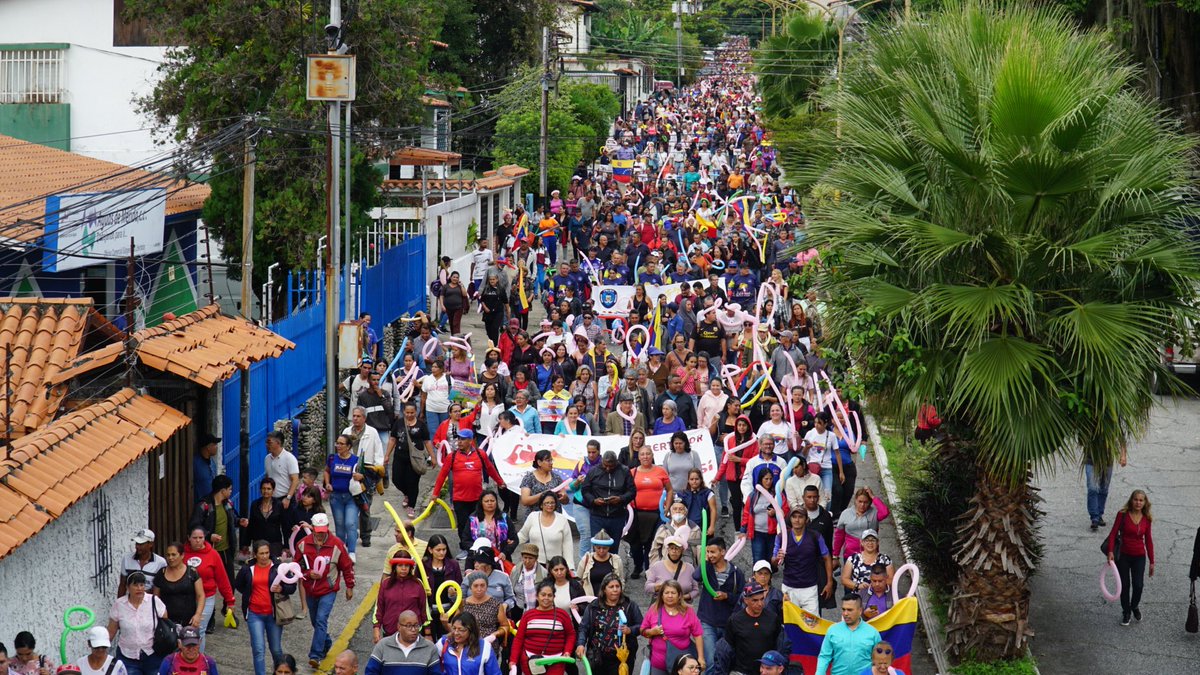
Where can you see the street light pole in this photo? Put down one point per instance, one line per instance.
(678, 43)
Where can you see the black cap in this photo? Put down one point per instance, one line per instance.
(208, 439)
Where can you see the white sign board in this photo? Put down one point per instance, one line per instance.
(101, 224)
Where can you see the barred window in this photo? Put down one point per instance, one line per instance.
(32, 75)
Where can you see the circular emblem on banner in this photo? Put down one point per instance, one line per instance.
(608, 298)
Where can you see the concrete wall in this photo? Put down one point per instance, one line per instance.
(52, 571)
(102, 80)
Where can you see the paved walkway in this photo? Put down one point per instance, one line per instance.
(1077, 632)
(351, 619)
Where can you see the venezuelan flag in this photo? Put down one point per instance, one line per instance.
(622, 170)
(806, 632)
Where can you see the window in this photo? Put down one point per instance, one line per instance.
(496, 208)
(32, 75)
(441, 128)
(484, 212)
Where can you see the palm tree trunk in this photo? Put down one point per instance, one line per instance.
(997, 551)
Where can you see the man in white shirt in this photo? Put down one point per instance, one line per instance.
(99, 660)
(362, 380)
(283, 467)
(481, 260)
(143, 559)
(370, 450)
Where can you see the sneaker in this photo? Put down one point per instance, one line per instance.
(1137, 614)
(1102, 522)
(365, 543)
(724, 511)
(1125, 618)
(1095, 525)
(314, 664)
(352, 558)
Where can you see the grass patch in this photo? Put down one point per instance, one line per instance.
(1023, 666)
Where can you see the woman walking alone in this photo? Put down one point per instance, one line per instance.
(1136, 547)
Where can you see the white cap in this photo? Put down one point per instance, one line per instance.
(763, 565)
(97, 636)
(320, 521)
(482, 543)
(143, 536)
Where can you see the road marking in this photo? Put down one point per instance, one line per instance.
(343, 640)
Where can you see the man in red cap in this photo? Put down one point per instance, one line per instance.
(325, 562)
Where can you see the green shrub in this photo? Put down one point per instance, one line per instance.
(938, 481)
(1019, 667)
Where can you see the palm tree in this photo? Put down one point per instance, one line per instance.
(1013, 206)
(792, 64)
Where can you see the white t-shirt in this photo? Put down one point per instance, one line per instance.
(437, 393)
(481, 260)
(85, 669)
(281, 470)
(779, 432)
(821, 442)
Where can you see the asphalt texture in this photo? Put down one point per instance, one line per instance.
(1076, 630)
(347, 625)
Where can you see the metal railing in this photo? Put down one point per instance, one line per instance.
(33, 76)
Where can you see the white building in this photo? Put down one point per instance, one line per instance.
(69, 73)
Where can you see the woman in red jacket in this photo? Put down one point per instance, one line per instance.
(201, 557)
(1137, 545)
(544, 630)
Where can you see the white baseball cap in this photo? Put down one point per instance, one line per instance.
(320, 522)
(97, 636)
(143, 536)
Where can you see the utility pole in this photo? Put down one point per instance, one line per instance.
(678, 43)
(332, 282)
(129, 296)
(348, 315)
(248, 164)
(544, 144)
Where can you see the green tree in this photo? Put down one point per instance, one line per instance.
(794, 63)
(247, 58)
(595, 106)
(517, 135)
(1009, 203)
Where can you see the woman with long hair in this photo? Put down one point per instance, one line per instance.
(566, 586)
(464, 651)
(1131, 537)
(759, 521)
(848, 531)
(489, 408)
(629, 456)
(697, 497)
(258, 583)
(180, 589)
(670, 620)
(441, 567)
(454, 301)
(490, 522)
(603, 630)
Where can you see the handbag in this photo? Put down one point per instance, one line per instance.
(675, 653)
(285, 611)
(166, 632)
(1192, 625)
(1116, 553)
(418, 460)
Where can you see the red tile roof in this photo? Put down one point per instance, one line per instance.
(30, 172)
(39, 339)
(48, 470)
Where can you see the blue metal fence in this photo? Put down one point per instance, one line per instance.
(280, 387)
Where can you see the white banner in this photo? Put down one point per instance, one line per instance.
(616, 301)
(514, 451)
(101, 224)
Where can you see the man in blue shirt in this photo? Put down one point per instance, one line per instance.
(580, 280)
(743, 286)
(847, 646)
(527, 414)
(204, 466)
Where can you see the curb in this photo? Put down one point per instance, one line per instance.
(343, 639)
(933, 627)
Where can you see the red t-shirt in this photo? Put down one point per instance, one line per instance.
(650, 486)
(260, 590)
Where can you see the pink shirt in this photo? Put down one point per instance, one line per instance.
(679, 629)
(135, 635)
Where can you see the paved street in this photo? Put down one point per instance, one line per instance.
(1077, 632)
(233, 646)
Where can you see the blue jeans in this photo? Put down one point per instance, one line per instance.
(583, 521)
(210, 604)
(147, 665)
(345, 518)
(264, 626)
(318, 614)
(761, 546)
(711, 635)
(433, 420)
(610, 524)
(827, 485)
(1097, 491)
